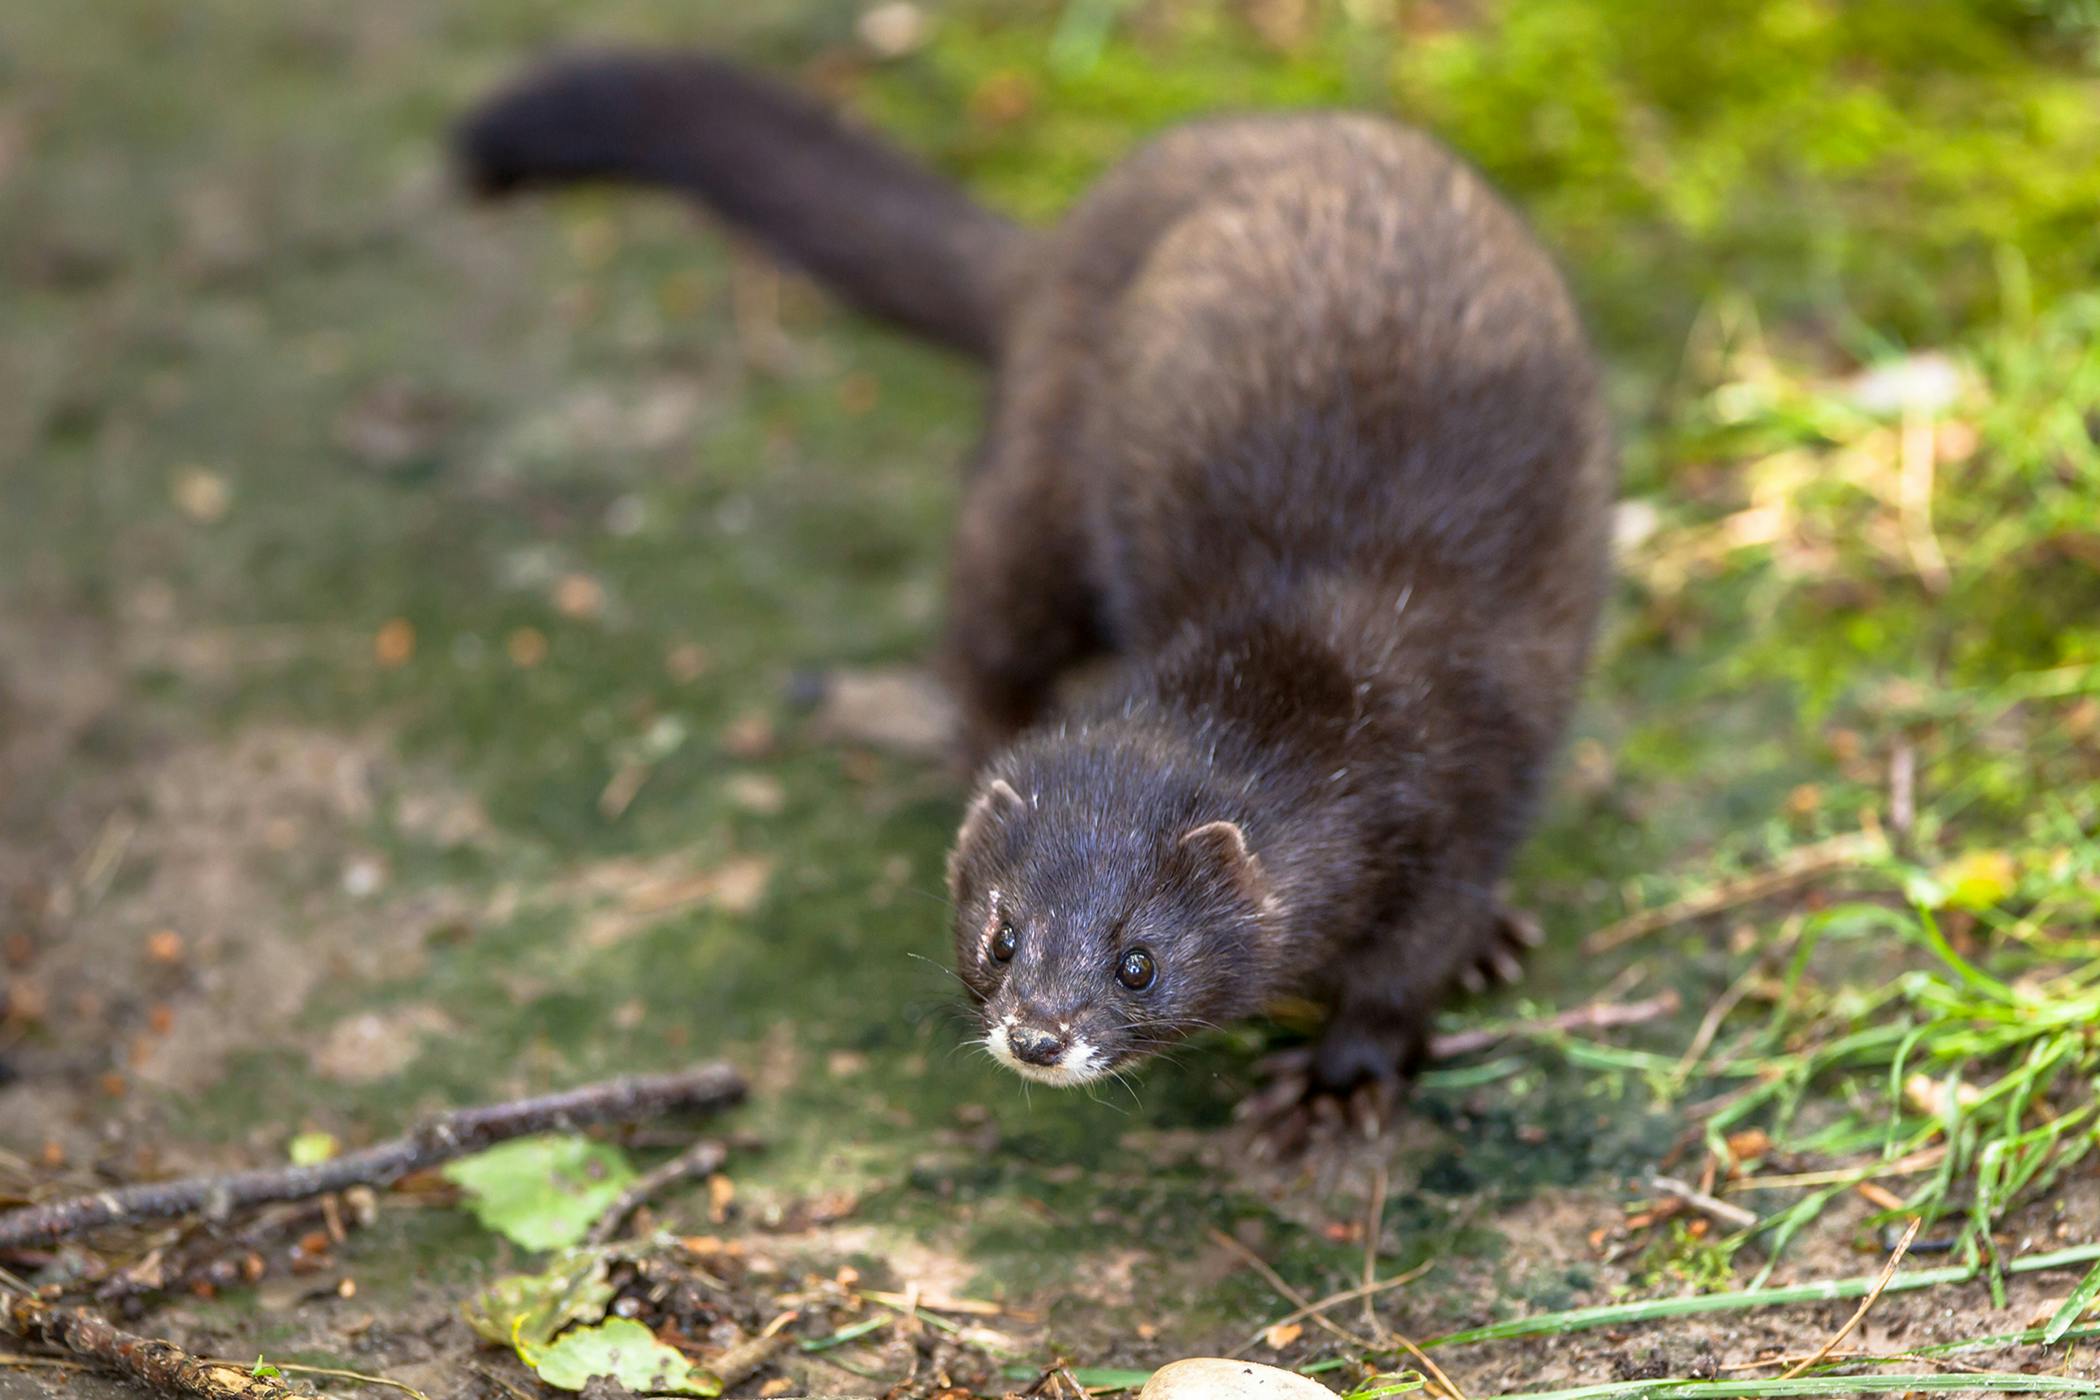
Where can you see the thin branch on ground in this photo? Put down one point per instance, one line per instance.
(1916, 1162)
(703, 1158)
(1374, 1233)
(1710, 1024)
(297, 1368)
(1597, 1016)
(1866, 1304)
(1707, 1204)
(1332, 1300)
(443, 1138)
(1313, 1313)
(159, 1365)
(1795, 867)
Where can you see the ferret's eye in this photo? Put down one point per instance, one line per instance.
(1136, 971)
(1005, 941)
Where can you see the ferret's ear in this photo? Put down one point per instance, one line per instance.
(1223, 846)
(997, 799)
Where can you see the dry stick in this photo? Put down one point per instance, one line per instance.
(966, 1307)
(703, 1158)
(1332, 1300)
(1796, 866)
(441, 1139)
(1598, 1016)
(161, 1365)
(300, 1369)
(1314, 1312)
(1705, 1203)
(1916, 1162)
(1710, 1024)
(1374, 1234)
(1290, 1294)
(1866, 1304)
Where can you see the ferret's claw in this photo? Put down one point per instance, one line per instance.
(1515, 934)
(1293, 1116)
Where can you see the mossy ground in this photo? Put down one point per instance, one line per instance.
(393, 589)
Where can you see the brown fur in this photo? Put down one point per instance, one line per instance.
(1295, 420)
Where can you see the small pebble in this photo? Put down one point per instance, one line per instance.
(1212, 1378)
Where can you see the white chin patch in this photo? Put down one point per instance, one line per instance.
(1080, 1064)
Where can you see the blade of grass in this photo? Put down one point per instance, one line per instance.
(2073, 1307)
(1989, 1382)
(1825, 1291)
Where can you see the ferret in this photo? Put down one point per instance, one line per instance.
(1294, 424)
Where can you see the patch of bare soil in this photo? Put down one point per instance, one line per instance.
(176, 899)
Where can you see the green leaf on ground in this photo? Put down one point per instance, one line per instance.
(526, 1310)
(542, 1192)
(624, 1350)
(312, 1149)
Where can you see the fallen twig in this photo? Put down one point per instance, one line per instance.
(703, 1158)
(1916, 1162)
(449, 1135)
(1374, 1235)
(1311, 1311)
(1705, 1203)
(1316, 1313)
(1866, 1304)
(1802, 863)
(1333, 1300)
(966, 1307)
(742, 1361)
(162, 1365)
(297, 1368)
(1598, 1016)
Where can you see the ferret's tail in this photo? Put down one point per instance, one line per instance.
(883, 232)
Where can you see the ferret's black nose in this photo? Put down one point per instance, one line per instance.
(1036, 1047)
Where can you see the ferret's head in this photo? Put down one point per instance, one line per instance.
(1104, 908)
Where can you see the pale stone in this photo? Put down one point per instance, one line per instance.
(1212, 1378)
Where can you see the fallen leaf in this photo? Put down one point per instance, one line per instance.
(529, 1309)
(394, 644)
(578, 596)
(202, 495)
(1749, 1144)
(624, 1350)
(311, 1149)
(1283, 1334)
(526, 647)
(542, 1192)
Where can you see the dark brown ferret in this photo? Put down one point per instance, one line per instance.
(1294, 420)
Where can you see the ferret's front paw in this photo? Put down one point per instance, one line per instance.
(1301, 1112)
(1514, 935)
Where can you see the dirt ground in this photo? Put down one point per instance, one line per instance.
(408, 617)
